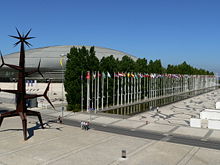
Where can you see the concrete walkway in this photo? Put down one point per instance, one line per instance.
(63, 144)
(172, 119)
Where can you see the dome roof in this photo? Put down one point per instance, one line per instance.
(50, 56)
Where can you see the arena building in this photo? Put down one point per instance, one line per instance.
(50, 60)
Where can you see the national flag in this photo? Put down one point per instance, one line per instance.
(88, 75)
(120, 74)
(152, 75)
(93, 75)
(140, 75)
(116, 75)
(103, 75)
(146, 75)
(61, 61)
(108, 74)
(135, 75)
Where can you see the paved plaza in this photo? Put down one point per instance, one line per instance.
(62, 144)
(66, 144)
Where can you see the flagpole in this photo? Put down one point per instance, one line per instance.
(147, 85)
(114, 90)
(144, 85)
(140, 86)
(98, 92)
(107, 89)
(121, 90)
(102, 89)
(88, 91)
(82, 91)
(92, 97)
(125, 94)
(118, 93)
(128, 88)
(95, 100)
(137, 87)
(134, 87)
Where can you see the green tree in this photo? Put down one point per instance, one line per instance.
(109, 64)
(126, 64)
(155, 67)
(79, 60)
(141, 65)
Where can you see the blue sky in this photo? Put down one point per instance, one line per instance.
(171, 30)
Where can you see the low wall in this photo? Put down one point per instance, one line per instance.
(214, 124)
(210, 114)
(217, 105)
(194, 122)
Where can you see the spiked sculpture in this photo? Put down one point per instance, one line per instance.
(21, 96)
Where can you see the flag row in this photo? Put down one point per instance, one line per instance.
(140, 75)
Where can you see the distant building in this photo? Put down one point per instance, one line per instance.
(50, 60)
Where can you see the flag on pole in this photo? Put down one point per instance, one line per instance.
(120, 74)
(108, 74)
(88, 75)
(103, 75)
(93, 75)
(81, 91)
(61, 62)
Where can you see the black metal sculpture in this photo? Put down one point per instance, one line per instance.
(21, 96)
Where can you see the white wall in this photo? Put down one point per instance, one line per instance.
(217, 105)
(210, 114)
(214, 124)
(195, 122)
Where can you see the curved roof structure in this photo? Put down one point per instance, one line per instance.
(50, 56)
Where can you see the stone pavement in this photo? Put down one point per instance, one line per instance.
(62, 144)
(172, 119)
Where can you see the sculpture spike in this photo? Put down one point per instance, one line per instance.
(45, 94)
(27, 33)
(14, 37)
(38, 69)
(28, 44)
(16, 43)
(18, 32)
(3, 63)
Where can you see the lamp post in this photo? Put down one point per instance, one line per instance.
(62, 93)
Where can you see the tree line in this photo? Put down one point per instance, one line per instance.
(81, 60)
